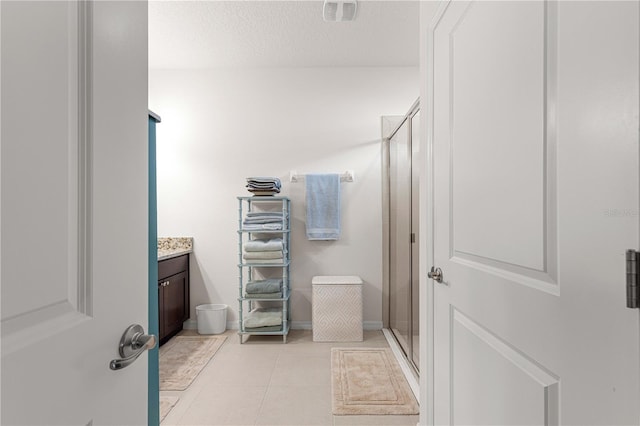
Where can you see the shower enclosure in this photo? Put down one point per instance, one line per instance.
(401, 177)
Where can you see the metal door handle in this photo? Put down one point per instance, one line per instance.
(132, 344)
(436, 274)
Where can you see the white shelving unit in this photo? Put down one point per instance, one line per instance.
(246, 269)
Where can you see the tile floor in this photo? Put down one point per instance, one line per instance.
(266, 382)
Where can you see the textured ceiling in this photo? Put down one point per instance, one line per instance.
(235, 34)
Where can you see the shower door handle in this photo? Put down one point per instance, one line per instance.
(132, 344)
(435, 274)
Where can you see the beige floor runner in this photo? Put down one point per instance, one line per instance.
(183, 357)
(369, 381)
(166, 404)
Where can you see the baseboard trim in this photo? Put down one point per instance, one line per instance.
(372, 325)
(301, 325)
(307, 325)
(192, 324)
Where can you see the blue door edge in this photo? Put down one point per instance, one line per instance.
(153, 403)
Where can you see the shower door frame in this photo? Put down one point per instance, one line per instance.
(390, 126)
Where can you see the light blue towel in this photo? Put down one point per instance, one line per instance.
(270, 285)
(323, 206)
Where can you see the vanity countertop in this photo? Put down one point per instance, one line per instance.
(169, 247)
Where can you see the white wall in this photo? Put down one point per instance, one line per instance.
(220, 126)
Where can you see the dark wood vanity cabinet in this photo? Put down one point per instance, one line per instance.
(173, 295)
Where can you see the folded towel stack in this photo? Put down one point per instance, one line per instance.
(264, 289)
(264, 319)
(276, 295)
(265, 261)
(263, 185)
(264, 245)
(264, 251)
(262, 255)
(264, 286)
(257, 221)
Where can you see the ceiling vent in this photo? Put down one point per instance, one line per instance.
(338, 11)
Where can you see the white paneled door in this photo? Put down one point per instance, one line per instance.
(534, 130)
(74, 210)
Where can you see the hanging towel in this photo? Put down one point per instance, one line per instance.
(323, 206)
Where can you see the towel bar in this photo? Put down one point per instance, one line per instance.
(348, 176)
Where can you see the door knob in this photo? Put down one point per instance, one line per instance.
(132, 344)
(436, 274)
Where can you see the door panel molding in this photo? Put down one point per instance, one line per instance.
(533, 378)
(507, 330)
(24, 330)
(74, 231)
(535, 258)
(84, 295)
(512, 273)
(63, 310)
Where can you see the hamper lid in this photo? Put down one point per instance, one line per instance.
(336, 279)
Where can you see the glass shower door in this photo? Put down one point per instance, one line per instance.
(399, 237)
(415, 234)
(403, 237)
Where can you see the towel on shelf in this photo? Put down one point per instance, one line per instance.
(269, 285)
(260, 220)
(263, 317)
(251, 255)
(323, 206)
(269, 328)
(264, 182)
(262, 227)
(263, 185)
(263, 221)
(264, 214)
(276, 295)
(265, 261)
(264, 244)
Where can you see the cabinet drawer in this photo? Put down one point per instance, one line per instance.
(169, 267)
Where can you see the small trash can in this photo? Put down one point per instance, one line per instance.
(212, 319)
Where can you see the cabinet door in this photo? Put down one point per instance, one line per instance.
(174, 302)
